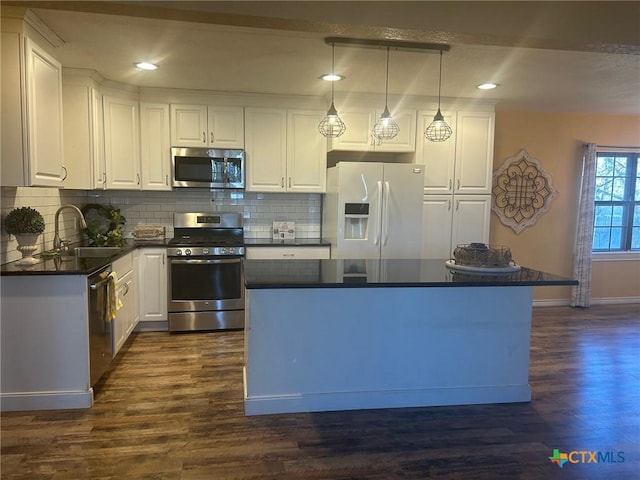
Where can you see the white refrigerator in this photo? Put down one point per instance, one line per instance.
(374, 210)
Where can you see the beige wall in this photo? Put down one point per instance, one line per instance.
(556, 140)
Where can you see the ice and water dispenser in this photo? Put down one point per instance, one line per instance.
(356, 221)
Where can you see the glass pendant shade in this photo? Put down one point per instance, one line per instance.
(386, 127)
(438, 130)
(332, 125)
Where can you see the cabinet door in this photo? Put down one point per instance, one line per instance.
(471, 219)
(189, 125)
(437, 157)
(226, 127)
(405, 141)
(436, 226)
(357, 137)
(155, 146)
(121, 147)
(78, 136)
(306, 152)
(44, 117)
(120, 322)
(99, 167)
(474, 152)
(152, 278)
(265, 138)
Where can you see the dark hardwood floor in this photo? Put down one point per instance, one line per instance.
(171, 408)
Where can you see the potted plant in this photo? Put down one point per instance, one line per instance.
(26, 224)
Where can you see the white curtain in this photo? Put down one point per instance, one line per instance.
(581, 294)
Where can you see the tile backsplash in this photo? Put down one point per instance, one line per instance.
(260, 210)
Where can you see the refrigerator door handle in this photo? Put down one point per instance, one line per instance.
(387, 207)
(376, 240)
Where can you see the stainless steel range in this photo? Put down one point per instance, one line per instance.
(206, 288)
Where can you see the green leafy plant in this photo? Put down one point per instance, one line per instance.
(105, 225)
(24, 220)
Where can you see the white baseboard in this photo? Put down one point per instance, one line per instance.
(11, 402)
(594, 301)
(614, 300)
(427, 397)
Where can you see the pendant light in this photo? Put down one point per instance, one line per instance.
(332, 125)
(438, 130)
(386, 127)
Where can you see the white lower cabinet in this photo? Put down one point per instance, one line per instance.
(450, 220)
(127, 292)
(152, 277)
(287, 253)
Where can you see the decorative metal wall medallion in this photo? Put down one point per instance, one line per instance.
(522, 191)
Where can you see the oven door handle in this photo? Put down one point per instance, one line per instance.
(205, 261)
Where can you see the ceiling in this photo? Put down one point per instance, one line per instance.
(547, 56)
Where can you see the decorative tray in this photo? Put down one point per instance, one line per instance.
(513, 267)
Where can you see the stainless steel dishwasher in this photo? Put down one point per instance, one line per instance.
(99, 324)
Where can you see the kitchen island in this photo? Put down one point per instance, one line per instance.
(358, 334)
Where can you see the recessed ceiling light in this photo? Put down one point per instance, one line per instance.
(146, 66)
(330, 77)
(487, 86)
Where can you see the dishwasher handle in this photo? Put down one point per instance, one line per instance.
(99, 283)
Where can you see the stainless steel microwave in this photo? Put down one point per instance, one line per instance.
(207, 168)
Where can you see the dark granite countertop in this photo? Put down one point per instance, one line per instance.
(297, 242)
(276, 274)
(70, 265)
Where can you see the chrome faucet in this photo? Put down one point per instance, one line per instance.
(58, 243)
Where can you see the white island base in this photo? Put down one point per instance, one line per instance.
(321, 349)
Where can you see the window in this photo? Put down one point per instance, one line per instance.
(617, 202)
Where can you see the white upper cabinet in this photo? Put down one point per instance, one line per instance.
(83, 137)
(360, 121)
(285, 152)
(474, 152)
(155, 146)
(463, 163)
(306, 152)
(121, 143)
(44, 115)
(438, 158)
(32, 138)
(207, 126)
(266, 143)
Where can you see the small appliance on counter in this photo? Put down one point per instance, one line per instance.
(284, 230)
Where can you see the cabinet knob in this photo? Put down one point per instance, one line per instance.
(212, 136)
(64, 176)
(289, 182)
(282, 182)
(204, 137)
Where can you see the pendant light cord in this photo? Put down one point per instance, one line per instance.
(333, 50)
(440, 80)
(386, 87)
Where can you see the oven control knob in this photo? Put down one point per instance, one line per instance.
(205, 251)
(187, 251)
(223, 250)
(232, 250)
(178, 252)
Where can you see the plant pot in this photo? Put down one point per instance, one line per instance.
(27, 245)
